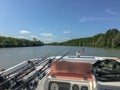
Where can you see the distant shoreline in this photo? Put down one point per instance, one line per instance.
(110, 39)
(16, 42)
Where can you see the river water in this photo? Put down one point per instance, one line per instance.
(13, 56)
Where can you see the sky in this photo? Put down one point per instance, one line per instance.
(58, 20)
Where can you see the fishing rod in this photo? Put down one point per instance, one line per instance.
(17, 76)
(14, 74)
(50, 60)
(40, 71)
(7, 80)
(43, 60)
(64, 55)
(36, 74)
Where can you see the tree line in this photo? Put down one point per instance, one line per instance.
(110, 39)
(16, 42)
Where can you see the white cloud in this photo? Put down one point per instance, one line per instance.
(109, 11)
(90, 19)
(33, 36)
(24, 32)
(47, 34)
(22, 37)
(66, 32)
(49, 39)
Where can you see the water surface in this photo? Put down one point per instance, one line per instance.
(12, 56)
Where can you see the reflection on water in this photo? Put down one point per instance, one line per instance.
(12, 56)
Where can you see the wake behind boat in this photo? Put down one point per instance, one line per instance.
(63, 73)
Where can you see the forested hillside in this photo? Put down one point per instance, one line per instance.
(15, 42)
(110, 39)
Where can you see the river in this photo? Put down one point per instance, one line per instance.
(12, 56)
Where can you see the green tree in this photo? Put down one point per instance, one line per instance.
(116, 41)
(108, 39)
(15, 42)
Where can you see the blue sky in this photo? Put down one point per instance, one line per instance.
(58, 20)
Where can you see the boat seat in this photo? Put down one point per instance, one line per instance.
(71, 70)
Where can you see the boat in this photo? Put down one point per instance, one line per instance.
(64, 72)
